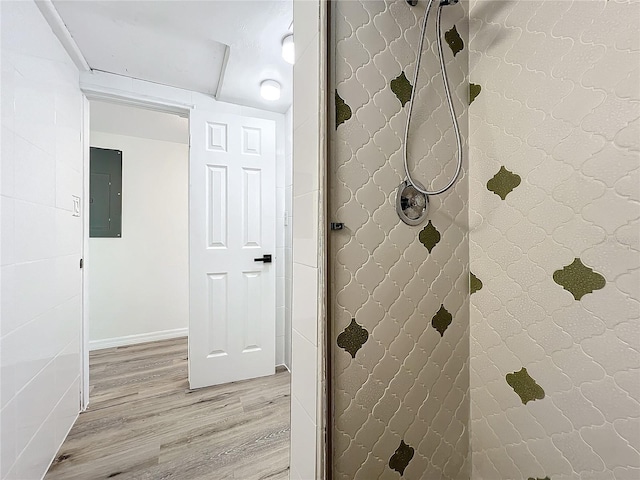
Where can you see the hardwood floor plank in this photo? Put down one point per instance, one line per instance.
(144, 422)
(98, 467)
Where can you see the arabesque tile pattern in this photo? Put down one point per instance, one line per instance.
(558, 255)
(554, 205)
(401, 403)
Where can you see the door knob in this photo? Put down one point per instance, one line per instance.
(265, 259)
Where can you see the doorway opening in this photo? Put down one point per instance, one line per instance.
(138, 273)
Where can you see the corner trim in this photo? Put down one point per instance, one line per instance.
(137, 338)
(61, 31)
(223, 71)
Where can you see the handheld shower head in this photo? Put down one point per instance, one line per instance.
(408, 191)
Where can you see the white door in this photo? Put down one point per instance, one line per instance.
(231, 224)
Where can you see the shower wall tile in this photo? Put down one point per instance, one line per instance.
(305, 178)
(554, 163)
(305, 229)
(308, 80)
(399, 293)
(305, 301)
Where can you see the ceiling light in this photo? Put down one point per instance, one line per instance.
(270, 90)
(288, 49)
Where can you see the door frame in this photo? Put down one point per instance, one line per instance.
(105, 94)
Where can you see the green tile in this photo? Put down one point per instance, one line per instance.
(503, 182)
(578, 279)
(441, 320)
(474, 91)
(401, 458)
(353, 338)
(545, 478)
(475, 283)
(343, 111)
(525, 386)
(453, 39)
(429, 236)
(402, 88)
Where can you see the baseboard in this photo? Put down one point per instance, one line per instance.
(138, 338)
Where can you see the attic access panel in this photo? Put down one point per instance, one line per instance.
(105, 193)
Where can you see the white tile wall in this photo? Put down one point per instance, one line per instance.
(41, 243)
(303, 450)
(305, 362)
(305, 301)
(306, 244)
(305, 227)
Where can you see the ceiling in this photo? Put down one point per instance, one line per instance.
(184, 44)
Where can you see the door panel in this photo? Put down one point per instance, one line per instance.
(232, 223)
(218, 308)
(251, 224)
(217, 207)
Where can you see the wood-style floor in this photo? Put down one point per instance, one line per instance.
(143, 422)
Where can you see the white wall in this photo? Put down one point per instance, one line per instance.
(41, 243)
(306, 420)
(138, 122)
(139, 283)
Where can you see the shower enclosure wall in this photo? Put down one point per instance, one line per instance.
(526, 366)
(554, 251)
(399, 293)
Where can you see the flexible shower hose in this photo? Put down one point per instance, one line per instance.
(445, 81)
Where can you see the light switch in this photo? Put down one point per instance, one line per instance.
(76, 206)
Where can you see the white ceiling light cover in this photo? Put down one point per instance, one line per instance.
(288, 49)
(270, 90)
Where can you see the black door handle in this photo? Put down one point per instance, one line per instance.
(265, 259)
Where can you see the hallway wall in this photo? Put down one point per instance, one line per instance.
(139, 283)
(41, 242)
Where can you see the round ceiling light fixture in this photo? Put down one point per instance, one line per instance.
(288, 49)
(270, 90)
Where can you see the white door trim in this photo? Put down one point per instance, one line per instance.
(95, 92)
(124, 97)
(84, 331)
